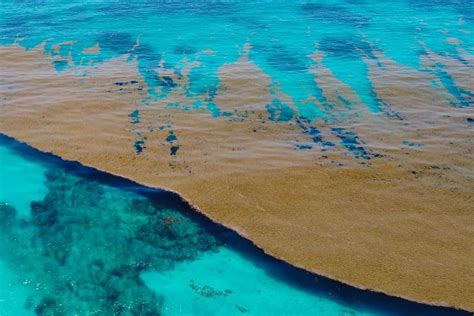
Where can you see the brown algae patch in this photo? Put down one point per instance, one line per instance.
(402, 224)
(92, 50)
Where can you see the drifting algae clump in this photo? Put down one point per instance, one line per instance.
(85, 244)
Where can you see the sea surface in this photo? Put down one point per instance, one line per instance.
(218, 90)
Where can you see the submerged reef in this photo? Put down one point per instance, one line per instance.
(85, 244)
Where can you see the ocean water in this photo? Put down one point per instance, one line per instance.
(76, 241)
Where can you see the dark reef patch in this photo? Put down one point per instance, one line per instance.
(85, 245)
(281, 58)
(147, 56)
(346, 47)
(208, 291)
(249, 22)
(284, 60)
(117, 42)
(7, 214)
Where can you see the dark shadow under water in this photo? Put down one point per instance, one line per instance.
(319, 286)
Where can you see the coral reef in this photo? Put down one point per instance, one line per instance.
(85, 244)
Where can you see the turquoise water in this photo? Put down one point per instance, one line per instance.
(79, 242)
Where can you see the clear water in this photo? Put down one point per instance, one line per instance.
(79, 242)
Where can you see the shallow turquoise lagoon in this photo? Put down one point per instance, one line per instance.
(80, 242)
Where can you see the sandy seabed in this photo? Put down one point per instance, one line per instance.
(401, 223)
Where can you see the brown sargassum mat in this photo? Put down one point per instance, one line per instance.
(401, 223)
